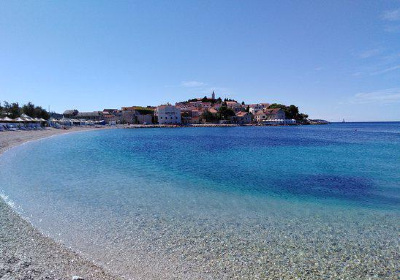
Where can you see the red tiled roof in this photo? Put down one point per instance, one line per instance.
(272, 111)
(241, 114)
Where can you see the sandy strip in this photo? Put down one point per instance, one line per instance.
(24, 252)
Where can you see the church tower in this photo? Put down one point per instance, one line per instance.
(213, 96)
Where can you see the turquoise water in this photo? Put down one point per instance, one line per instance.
(212, 203)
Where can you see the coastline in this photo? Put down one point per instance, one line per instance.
(25, 253)
(348, 246)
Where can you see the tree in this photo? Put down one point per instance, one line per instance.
(208, 116)
(14, 110)
(39, 112)
(6, 108)
(224, 112)
(291, 112)
(29, 109)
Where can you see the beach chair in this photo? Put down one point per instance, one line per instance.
(11, 128)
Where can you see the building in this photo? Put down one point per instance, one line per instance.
(206, 105)
(254, 110)
(168, 114)
(216, 106)
(69, 114)
(275, 114)
(190, 116)
(242, 118)
(269, 114)
(260, 116)
(144, 119)
(235, 106)
(87, 116)
(90, 116)
(264, 105)
(112, 116)
(137, 115)
(213, 110)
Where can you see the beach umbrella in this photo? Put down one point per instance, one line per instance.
(42, 120)
(26, 117)
(7, 119)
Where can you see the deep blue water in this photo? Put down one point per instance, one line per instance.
(202, 177)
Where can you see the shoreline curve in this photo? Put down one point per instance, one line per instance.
(25, 252)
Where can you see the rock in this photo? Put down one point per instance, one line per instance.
(77, 278)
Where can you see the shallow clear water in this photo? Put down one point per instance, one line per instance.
(240, 202)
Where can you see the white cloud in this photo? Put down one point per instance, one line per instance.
(369, 53)
(392, 28)
(192, 84)
(393, 68)
(384, 96)
(392, 15)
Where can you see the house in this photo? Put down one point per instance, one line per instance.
(269, 114)
(87, 116)
(144, 119)
(190, 116)
(196, 113)
(112, 116)
(254, 110)
(69, 114)
(206, 105)
(213, 110)
(264, 105)
(168, 114)
(216, 106)
(242, 118)
(90, 116)
(235, 106)
(275, 114)
(137, 115)
(260, 116)
(232, 104)
(195, 103)
(256, 106)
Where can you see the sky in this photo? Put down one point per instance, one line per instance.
(334, 59)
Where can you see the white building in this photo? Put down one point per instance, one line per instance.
(168, 114)
(269, 114)
(254, 110)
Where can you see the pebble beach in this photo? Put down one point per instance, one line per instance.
(25, 253)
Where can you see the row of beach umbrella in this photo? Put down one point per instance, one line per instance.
(23, 118)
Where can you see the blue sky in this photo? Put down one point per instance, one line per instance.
(334, 59)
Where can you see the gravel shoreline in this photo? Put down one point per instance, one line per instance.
(25, 253)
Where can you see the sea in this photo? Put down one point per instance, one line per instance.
(287, 202)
